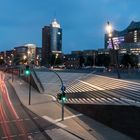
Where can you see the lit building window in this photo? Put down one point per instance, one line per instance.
(135, 36)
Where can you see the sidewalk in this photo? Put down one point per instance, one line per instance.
(47, 107)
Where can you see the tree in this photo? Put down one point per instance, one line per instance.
(1, 61)
(58, 61)
(89, 61)
(134, 62)
(103, 60)
(81, 61)
(129, 60)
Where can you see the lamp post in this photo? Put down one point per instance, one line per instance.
(63, 88)
(109, 30)
(24, 57)
(56, 56)
(28, 73)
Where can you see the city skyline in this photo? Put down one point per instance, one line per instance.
(83, 22)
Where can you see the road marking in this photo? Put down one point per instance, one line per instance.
(36, 132)
(4, 137)
(69, 117)
(91, 85)
(13, 136)
(30, 137)
(19, 135)
(54, 122)
(18, 120)
(128, 100)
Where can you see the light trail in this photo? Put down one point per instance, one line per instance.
(5, 127)
(6, 98)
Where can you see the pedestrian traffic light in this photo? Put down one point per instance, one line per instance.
(61, 96)
(27, 70)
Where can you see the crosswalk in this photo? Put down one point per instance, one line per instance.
(103, 90)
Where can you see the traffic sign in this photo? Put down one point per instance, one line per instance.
(63, 88)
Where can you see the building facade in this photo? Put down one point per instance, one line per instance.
(126, 41)
(6, 57)
(51, 41)
(38, 56)
(25, 53)
(80, 59)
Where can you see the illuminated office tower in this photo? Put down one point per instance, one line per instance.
(51, 41)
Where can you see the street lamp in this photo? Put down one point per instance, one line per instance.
(109, 30)
(56, 56)
(24, 57)
(62, 95)
(19, 60)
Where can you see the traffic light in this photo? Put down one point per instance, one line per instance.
(27, 70)
(61, 96)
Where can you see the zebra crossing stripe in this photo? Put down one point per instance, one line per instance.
(91, 85)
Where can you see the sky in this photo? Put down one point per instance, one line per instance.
(83, 21)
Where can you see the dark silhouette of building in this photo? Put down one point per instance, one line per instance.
(46, 50)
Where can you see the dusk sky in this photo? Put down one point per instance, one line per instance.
(83, 21)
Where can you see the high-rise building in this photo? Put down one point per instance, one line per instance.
(51, 41)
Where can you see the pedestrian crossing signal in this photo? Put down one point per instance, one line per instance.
(61, 96)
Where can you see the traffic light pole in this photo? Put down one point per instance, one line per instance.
(30, 89)
(63, 90)
(62, 103)
(116, 58)
(12, 75)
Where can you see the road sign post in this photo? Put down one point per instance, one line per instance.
(61, 96)
(28, 74)
(63, 88)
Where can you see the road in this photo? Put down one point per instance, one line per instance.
(18, 123)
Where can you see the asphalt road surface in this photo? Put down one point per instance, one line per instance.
(16, 122)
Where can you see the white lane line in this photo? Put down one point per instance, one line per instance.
(4, 137)
(94, 101)
(77, 100)
(81, 100)
(91, 85)
(128, 100)
(13, 136)
(18, 120)
(30, 137)
(54, 122)
(69, 117)
(73, 100)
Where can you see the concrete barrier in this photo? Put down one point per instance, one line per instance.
(125, 119)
